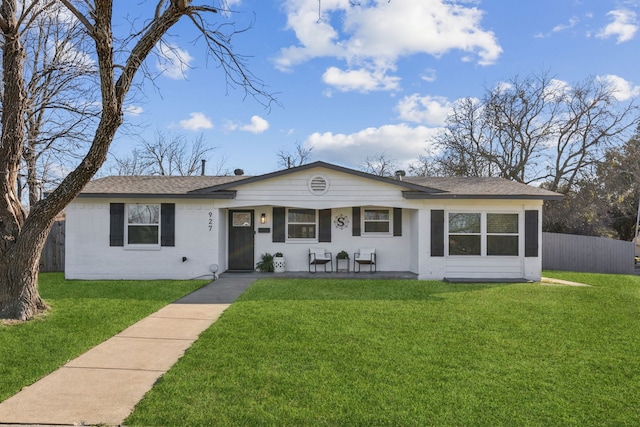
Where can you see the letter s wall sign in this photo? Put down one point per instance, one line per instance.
(341, 221)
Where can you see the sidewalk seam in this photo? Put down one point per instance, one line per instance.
(113, 369)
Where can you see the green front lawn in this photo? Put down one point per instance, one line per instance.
(84, 314)
(331, 352)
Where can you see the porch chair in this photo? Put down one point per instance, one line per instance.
(318, 256)
(365, 256)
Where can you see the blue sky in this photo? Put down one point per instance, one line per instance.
(374, 78)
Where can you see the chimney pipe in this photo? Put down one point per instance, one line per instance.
(203, 163)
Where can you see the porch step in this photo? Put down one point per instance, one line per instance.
(486, 280)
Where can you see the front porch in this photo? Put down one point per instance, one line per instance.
(364, 275)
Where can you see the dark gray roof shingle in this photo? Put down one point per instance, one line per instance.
(155, 184)
(224, 186)
(481, 186)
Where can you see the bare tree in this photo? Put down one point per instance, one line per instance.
(535, 129)
(166, 155)
(22, 237)
(298, 157)
(60, 96)
(380, 164)
(427, 165)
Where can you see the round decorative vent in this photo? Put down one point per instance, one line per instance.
(318, 185)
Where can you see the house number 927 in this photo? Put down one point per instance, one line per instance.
(210, 221)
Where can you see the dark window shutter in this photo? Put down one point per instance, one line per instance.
(324, 224)
(531, 233)
(437, 233)
(168, 224)
(397, 221)
(279, 223)
(355, 226)
(116, 224)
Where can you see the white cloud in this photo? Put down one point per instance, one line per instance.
(429, 75)
(173, 62)
(197, 121)
(374, 36)
(623, 27)
(562, 27)
(133, 110)
(556, 87)
(623, 90)
(429, 110)
(257, 125)
(360, 80)
(400, 142)
(503, 86)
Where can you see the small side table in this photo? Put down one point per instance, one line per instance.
(344, 260)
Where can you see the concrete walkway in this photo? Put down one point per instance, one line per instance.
(103, 385)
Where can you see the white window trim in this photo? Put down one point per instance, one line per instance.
(301, 239)
(365, 233)
(484, 234)
(142, 246)
(518, 234)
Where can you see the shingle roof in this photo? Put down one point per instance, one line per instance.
(481, 187)
(154, 185)
(225, 186)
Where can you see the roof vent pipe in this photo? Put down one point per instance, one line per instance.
(203, 163)
(400, 174)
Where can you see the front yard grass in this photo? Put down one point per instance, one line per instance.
(360, 353)
(84, 314)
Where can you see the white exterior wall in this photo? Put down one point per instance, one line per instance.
(480, 267)
(344, 190)
(393, 253)
(89, 256)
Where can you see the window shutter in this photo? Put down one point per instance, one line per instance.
(397, 221)
(531, 233)
(116, 224)
(168, 224)
(278, 234)
(355, 226)
(324, 225)
(437, 233)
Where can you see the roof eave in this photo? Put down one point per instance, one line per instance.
(414, 195)
(226, 195)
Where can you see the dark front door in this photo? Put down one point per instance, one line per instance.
(241, 237)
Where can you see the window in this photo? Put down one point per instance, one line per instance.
(143, 224)
(464, 234)
(301, 224)
(376, 221)
(502, 234)
(241, 219)
(491, 234)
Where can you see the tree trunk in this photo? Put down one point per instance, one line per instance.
(19, 296)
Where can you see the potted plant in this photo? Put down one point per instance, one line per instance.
(342, 255)
(279, 263)
(266, 263)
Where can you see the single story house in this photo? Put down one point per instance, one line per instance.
(174, 227)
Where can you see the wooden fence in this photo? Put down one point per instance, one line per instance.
(571, 252)
(52, 258)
